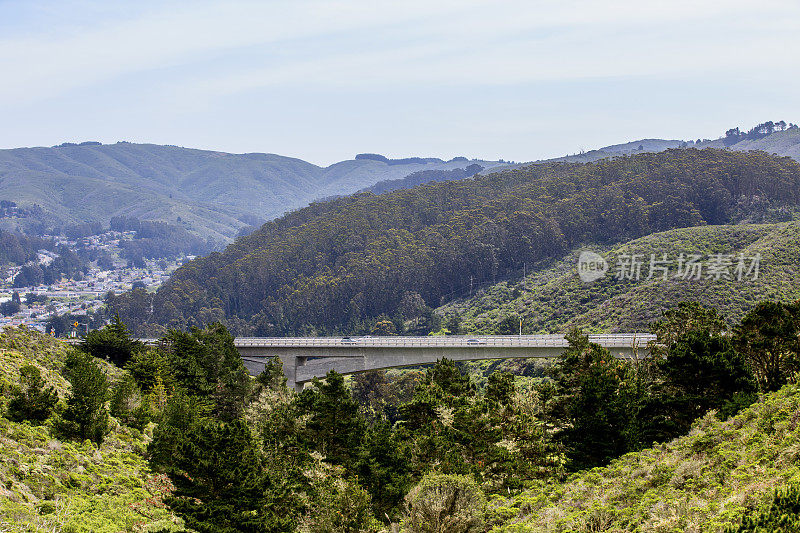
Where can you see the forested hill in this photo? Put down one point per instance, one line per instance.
(338, 265)
(553, 299)
(210, 194)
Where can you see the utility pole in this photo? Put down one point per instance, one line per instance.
(470, 286)
(520, 326)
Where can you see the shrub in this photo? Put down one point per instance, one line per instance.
(31, 401)
(782, 516)
(342, 507)
(86, 416)
(442, 503)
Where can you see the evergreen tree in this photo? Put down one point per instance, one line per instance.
(685, 318)
(384, 468)
(591, 403)
(86, 416)
(31, 400)
(703, 372)
(441, 423)
(221, 485)
(272, 377)
(769, 338)
(443, 384)
(112, 343)
(148, 367)
(500, 388)
(128, 404)
(206, 364)
(181, 414)
(335, 427)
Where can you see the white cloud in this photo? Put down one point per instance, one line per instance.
(325, 79)
(497, 42)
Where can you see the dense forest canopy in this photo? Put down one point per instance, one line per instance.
(333, 266)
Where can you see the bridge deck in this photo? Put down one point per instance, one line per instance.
(305, 358)
(619, 340)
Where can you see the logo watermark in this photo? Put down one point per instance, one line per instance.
(591, 266)
(663, 267)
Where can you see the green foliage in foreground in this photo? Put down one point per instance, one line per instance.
(782, 515)
(250, 455)
(47, 484)
(50, 485)
(705, 481)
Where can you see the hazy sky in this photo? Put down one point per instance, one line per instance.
(322, 81)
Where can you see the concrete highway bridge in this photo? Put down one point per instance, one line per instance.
(305, 358)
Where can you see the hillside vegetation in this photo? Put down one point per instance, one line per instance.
(338, 266)
(426, 450)
(703, 482)
(554, 299)
(51, 484)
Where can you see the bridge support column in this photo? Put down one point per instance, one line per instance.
(290, 364)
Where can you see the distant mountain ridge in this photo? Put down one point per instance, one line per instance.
(212, 194)
(217, 195)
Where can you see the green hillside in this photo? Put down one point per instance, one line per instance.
(554, 299)
(338, 266)
(47, 484)
(702, 482)
(212, 194)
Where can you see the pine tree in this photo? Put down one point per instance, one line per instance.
(221, 485)
(769, 337)
(336, 428)
(592, 402)
(206, 364)
(112, 343)
(86, 416)
(128, 404)
(31, 400)
(384, 469)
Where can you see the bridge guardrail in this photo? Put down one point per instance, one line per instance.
(610, 340)
(509, 341)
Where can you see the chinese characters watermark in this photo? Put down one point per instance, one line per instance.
(662, 267)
